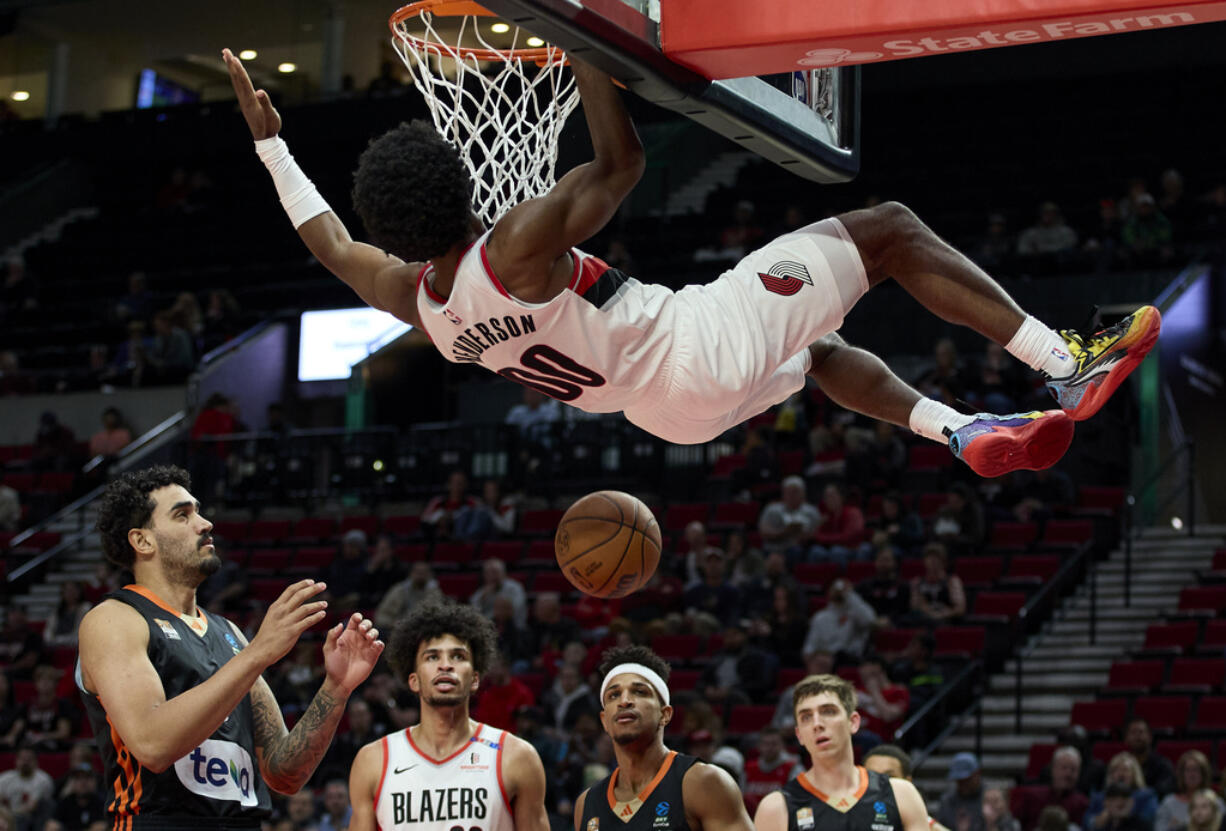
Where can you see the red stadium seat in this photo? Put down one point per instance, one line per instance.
(1040, 755)
(927, 504)
(725, 465)
(267, 590)
(1106, 715)
(1135, 676)
(1105, 750)
(677, 648)
(230, 531)
(23, 692)
(542, 522)
(749, 718)
(1099, 498)
(788, 677)
(791, 462)
(20, 482)
(55, 764)
(1013, 536)
(1219, 560)
(459, 585)
(269, 560)
(1210, 714)
(816, 576)
(315, 529)
(910, 567)
(1170, 637)
(314, 558)
(55, 482)
(980, 572)
(1197, 674)
(367, 524)
(928, 456)
(959, 641)
(552, 580)
(894, 640)
(1067, 533)
(1032, 568)
(451, 554)
(998, 604)
(1214, 639)
(858, 571)
(1165, 713)
(509, 551)
(411, 553)
(268, 530)
(541, 551)
(680, 515)
(735, 515)
(402, 526)
(1172, 749)
(1204, 600)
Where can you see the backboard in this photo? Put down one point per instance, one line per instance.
(806, 121)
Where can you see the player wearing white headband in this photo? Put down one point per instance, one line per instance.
(653, 788)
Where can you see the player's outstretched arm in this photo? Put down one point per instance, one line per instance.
(383, 281)
(287, 758)
(911, 807)
(114, 642)
(525, 777)
(772, 814)
(715, 799)
(364, 786)
(539, 231)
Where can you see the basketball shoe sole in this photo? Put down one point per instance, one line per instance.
(1104, 360)
(994, 445)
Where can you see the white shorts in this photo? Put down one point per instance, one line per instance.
(742, 341)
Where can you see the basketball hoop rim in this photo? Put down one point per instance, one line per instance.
(462, 8)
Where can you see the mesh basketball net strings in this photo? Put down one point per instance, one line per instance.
(504, 116)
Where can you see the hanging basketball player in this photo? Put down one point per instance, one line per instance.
(447, 771)
(652, 788)
(522, 301)
(835, 794)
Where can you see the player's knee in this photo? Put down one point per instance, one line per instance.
(897, 233)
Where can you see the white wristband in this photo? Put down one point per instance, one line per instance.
(298, 195)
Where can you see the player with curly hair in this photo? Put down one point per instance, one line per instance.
(521, 300)
(653, 788)
(190, 734)
(447, 771)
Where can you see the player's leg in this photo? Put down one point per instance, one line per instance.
(1084, 371)
(990, 445)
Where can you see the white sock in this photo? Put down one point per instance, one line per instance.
(930, 418)
(1041, 348)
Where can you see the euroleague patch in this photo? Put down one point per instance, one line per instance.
(785, 278)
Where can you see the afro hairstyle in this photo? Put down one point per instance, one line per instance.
(434, 620)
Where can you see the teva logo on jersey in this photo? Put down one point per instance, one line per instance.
(963, 39)
(219, 770)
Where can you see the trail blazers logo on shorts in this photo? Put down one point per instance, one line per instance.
(785, 278)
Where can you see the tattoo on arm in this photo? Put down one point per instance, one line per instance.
(290, 757)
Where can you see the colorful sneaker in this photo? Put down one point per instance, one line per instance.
(1104, 360)
(995, 445)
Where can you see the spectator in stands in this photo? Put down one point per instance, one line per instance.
(696, 546)
(897, 526)
(745, 563)
(170, 355)
(535, 416)
(960, 523)
(1062, 791)
(733, 763)
(514, 641)
(496, 582)
(818, 662)
(295, 680)
(840, 535)
(1205, 811)
(568, 698)
(18, 293)
(937, 597)
(217, 417)
(12, 380)
(44, 723)
(1118, 811)
(1055, 818)
(996, 816)
(662, 596)
(782, 630)
(878, 461)
(1156, 770)
(137, 304)
(80, 807)
(997, 385)
(946, 381)
(493, 515)
(1174, 202)
(715, 595)
(419, 587)
(185, 313)
(61, 629)
(549, 630)
(10, 508)
(1103, 243)
(113, 437)
(55, 446)
(789, 524)
(771, 769)
(739, 673)
(1147, 235)
(761, 464)
(993, 251)
(501, 694)
(1124, 774)
(362, 729)
(301, 811)
(438, 518)
(961, 804)
(382, 569)
(346, 574)
(844, 626)
(883, 704)
(1093, 770)
(127, 367)
(1192, 775)
(21, 645)
(336, 806)
(916, 669)
(1049, 237)
(1034, 495)
(387, 83)
(222, 318)
(885, 591)
(27, 791)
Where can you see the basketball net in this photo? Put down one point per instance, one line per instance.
(502, 108)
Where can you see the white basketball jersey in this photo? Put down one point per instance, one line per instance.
(599, 345)
(463, 792)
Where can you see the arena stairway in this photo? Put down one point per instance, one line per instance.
(1060, 665)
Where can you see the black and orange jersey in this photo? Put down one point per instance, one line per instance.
(873, 808)
(659, 807)
(216, 786)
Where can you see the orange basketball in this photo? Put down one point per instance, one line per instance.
(608, 544)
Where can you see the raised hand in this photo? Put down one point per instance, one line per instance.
(287, 618)
(351, 651)
(261, 115)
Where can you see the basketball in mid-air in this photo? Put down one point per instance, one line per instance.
(608, 544)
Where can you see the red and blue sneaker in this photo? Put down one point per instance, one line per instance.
(1104, 360)
(994, 445)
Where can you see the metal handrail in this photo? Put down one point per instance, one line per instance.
(969, 674)
(1132, 531)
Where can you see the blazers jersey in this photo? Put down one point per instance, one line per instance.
(875, 808)
(463, 791)
(216, 785)
(662, 808)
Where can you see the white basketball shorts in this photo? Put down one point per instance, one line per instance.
(741, 341)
